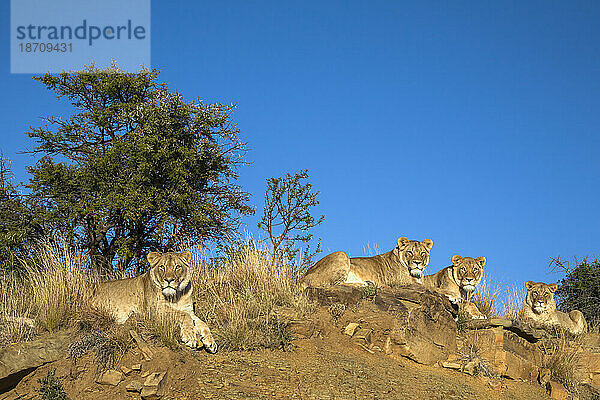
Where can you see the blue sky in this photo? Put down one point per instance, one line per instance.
(473, 124)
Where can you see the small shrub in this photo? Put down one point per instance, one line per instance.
(369, 291)
(461, 321)
(107, 349)
(51, 388)
(580, 288)
(560, 357)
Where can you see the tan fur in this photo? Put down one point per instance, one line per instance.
(458, 282)
(540, 309)
(165, 288)
(403, 265)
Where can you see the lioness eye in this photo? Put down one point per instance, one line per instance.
(475, 270)
(423, 254)
(177, 267)
(410, 253)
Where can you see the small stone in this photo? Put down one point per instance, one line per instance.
(451, 365)
(494, 383)
(110, 377)
(387, 348)
(145, 374)
(153, 385)
(126, 370)
(351, 328)
(556, 391)
(363, 334)
(470, 368)
(134, 386)
(136, 367)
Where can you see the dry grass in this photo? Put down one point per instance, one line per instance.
(513, 304)
(560, 357)
(49, 291)
(486, 297)
(60, 286)
(16, 324)
(237, 297)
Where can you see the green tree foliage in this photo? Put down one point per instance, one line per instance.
(18, 227)
(580, 288)
(136, 167)
(287, 216)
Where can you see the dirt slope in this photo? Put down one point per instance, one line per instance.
(330, 367)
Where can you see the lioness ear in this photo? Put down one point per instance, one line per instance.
(553, 287)
(529, 285)
(481, 261)
(186, 255)
(428, 243)
(456, 259)
(153, 257)
(403, 242)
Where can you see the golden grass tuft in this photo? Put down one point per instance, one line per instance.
(60, 286)
(513, 304)
(486, 297)
(237, 297)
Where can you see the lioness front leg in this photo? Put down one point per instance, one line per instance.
(202, 329)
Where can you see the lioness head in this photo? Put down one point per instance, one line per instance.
(467, 272)
(540, 296)
(414, 255)
(169, 272)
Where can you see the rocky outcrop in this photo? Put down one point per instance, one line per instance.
(506, 353)
(19, 360)
(414, 322)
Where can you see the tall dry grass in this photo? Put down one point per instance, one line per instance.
(513, 304)
(486, 297)
(238, 295)
(51, 289)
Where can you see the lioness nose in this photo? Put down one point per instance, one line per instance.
(169, 280)
(417, 262)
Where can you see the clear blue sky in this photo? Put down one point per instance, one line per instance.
(475, 125)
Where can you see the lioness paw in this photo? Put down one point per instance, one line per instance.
(188, 337)
(211, 347)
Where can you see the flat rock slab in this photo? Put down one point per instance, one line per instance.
(19, 360)
(151, 389)
(110, 377)
(527, 332)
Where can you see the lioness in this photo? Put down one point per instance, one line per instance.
(458, 282)
(404, 265)
(165, 288)
(540, 309)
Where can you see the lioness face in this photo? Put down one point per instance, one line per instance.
(467, 271)
(540, 296)
(169, 272)
(414, 255)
